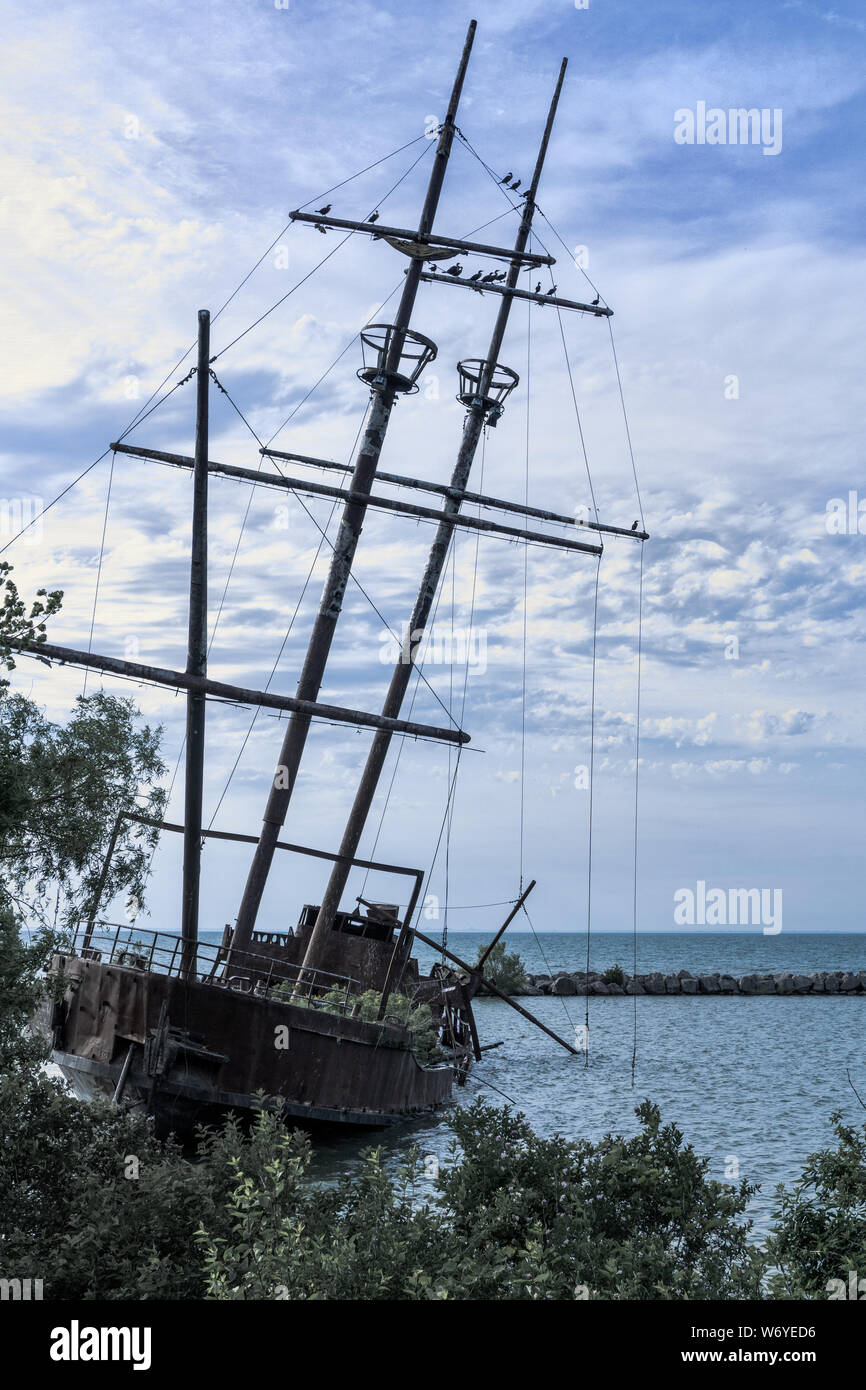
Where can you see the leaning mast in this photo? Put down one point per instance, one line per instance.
(386, 383)
(492, 383)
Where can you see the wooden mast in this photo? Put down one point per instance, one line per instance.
(196, 660)
(384, 393)
(475, 421)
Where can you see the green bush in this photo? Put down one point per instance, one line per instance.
(819, 1231)
(97, 1207)
(504, 969)
(614, 976)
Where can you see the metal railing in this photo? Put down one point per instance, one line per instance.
(222, 967)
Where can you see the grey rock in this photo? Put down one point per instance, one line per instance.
(684, 975)
(832, 982)
(672, 984)
(689, 986)
(757, 984)
(850, 983)
(802, 984)
(653, 984)
(635, 987)
(563, 984)
(709, 984)
(784, 982)
(615, 989)
(728, 985)
(598, 987)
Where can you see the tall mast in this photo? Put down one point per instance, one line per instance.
(475, 421)
(385, 387)
(196, 659)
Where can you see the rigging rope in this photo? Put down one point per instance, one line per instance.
(525, 595)
(288, 629)
(338, 247)
(636, 790)
(453, 557)
(627, 430)
(99, 568)
(328, 540)
(591, 803)
(140, 414)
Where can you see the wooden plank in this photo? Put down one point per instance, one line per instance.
(404, 234)
(437, 946)
(597, 310)
(180, 680)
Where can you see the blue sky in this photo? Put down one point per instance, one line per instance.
(156, 151)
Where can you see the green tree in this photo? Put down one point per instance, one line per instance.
(61, 788)
(16, 623)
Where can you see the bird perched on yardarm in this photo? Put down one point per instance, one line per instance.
(538, 288)
(476, 276)
(323, 212)
(374, 217)
(515, 185)
(454, 270)
(634, 526)
(596, 300)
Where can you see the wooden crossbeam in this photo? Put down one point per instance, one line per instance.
(182, 680)
(405, 234)
(249, 475)
(422, 485)
(597, 309)
(494, 989)
(470, 523)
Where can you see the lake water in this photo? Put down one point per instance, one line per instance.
(751, 1079)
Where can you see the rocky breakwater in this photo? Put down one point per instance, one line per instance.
(683, 982)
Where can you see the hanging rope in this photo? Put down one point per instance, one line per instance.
(543, 954)
(525, 600)
(99, 568)
(287, 634)
(627, 430)
(636, 791)
(591, 794)
(450, 820)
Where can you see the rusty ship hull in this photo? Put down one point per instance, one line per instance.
(189, 1051)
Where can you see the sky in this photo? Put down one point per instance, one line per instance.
(155, 153)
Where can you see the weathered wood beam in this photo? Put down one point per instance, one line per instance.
(182, 680)
(506, 924)
(494, 989)
(422, 485)
(249, 475)
(471, 523)
(405, 234)
(597, 309)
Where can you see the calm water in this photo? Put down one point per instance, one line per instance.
(753, 1078)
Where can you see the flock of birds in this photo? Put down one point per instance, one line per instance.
(479, 278)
